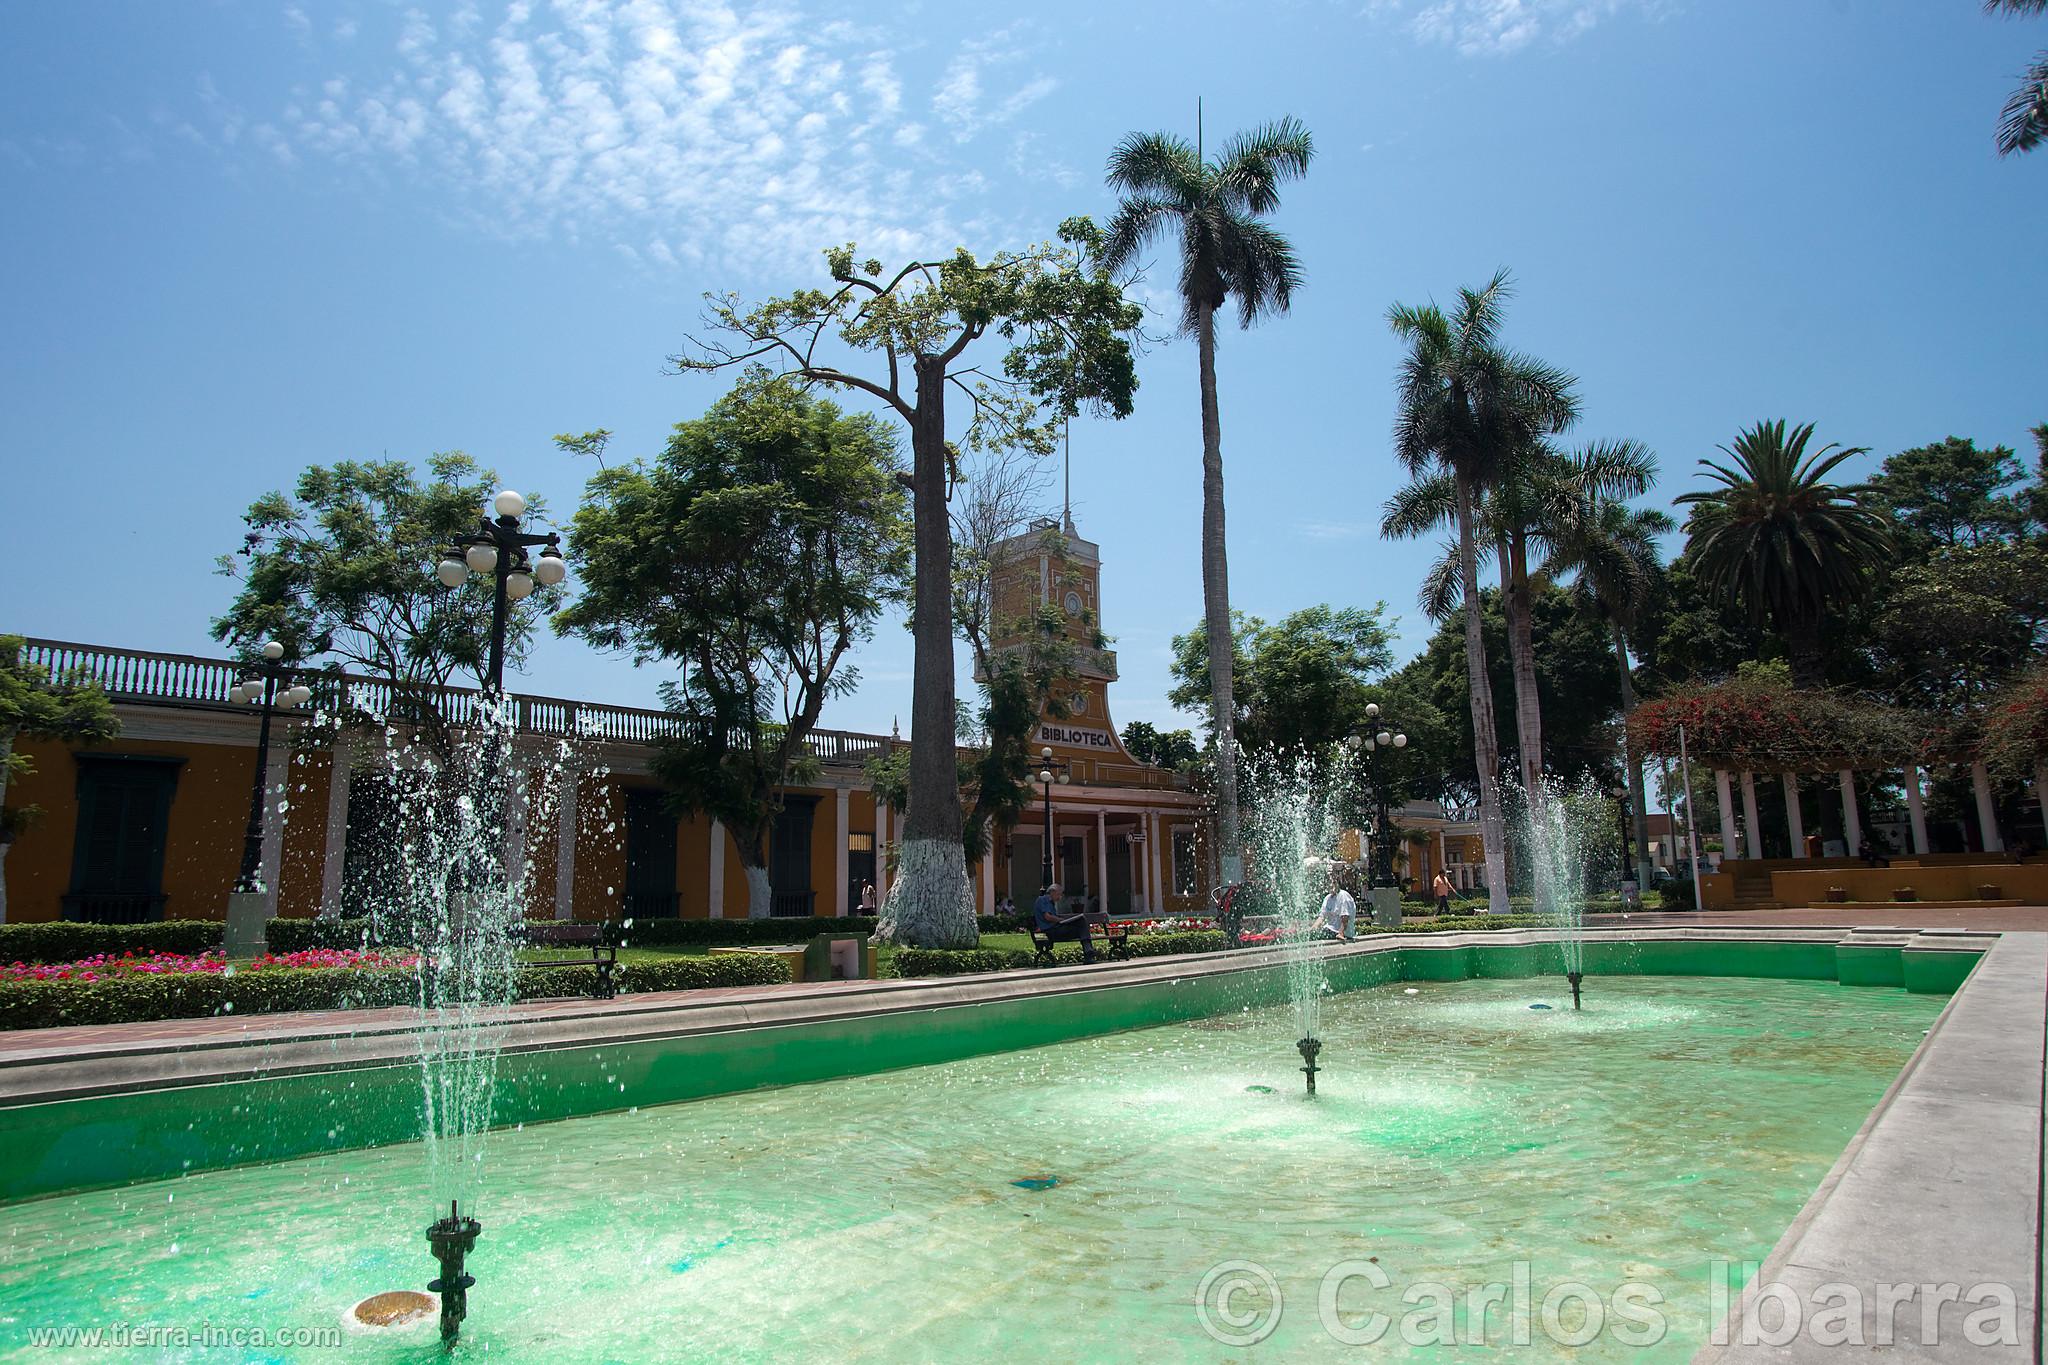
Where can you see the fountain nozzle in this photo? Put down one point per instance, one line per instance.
(1309, 1048)
(1575, 978)
(452, 1238)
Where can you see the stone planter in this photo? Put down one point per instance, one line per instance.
(1905, 893)
(1990, 893)
(1838, 893)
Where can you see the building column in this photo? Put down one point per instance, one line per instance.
(277, 771)
(1754, 841)
(341, 764)
(1852, 819)
(840, 871)
(1102, 861)
(987, 899)
(1795, 824)
(1724, 790)
(1155, 858)
(1987, 809)
(565, 846)
(512, 837)
(716, 900)
(1916, 808)
(2041, 791)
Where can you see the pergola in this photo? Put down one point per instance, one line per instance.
(1753, 725)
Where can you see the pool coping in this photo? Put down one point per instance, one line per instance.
(116, 1059)
(1942, 1185)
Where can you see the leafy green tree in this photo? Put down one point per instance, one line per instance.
(1951, 494)
(1301, 684)
(1027, 339)
(1217, 210)
(2024, 121)
(34, 704)
(1952, 628)
(342, 571)
(756, 551)
(1466, 407)
(1165, 748)
(1789, 546)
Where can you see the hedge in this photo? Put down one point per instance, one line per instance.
(295, 935)
(52, 1004)
(70, 940)
(974, 961)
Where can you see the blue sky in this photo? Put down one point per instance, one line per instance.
(244, 237)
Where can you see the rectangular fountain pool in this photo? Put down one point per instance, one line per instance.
(1069, 1202)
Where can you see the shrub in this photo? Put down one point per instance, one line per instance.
(282, 936)
(962, 961)
(1676, 895)
(51, 1004)
(71, 940)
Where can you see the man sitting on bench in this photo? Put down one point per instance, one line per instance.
(1057, 928)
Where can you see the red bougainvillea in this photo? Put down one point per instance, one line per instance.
(2013, 739)
(1765, 724)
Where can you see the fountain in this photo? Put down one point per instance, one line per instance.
(1562, 829)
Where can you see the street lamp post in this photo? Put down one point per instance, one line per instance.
(1049, 775)
(269, 692)
(499, 548)
(1382, 736)
(1629, 890)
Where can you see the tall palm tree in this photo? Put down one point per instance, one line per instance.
(1215, 207)
(2023, 124)
(1466, 407)
(1609, 551)
(1782, 542)
(1534, 501)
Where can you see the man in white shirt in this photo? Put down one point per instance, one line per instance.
(1339, 913)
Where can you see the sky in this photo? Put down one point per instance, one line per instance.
(244, 237)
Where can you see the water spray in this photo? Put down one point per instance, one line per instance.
(452, 1238)
(1309, 1048)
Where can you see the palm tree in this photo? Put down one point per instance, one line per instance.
(1466, 407)
(2023, 124)
(1226, 252)
(1609, 551)
(1783, 543)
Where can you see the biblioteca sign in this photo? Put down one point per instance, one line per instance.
(1076, 738)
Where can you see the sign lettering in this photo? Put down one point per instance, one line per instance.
(1076, 738)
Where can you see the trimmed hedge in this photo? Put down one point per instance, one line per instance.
(70, 940)
(1676, 895)
(974, 961)
(296, 935)
(53, 1004)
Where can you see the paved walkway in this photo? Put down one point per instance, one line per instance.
(1990, 919)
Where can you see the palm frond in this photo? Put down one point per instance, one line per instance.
(1156, 164)
(2023, 123)
(1253, 165)
(1418, 508)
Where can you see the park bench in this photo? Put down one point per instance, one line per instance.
(594, 952)
(1113, 936)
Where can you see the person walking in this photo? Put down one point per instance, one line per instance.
(1442, 887)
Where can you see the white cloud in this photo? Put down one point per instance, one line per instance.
(673, 130)
(1490, 28)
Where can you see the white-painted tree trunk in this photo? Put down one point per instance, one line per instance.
(4, 846)
(930, 898)
(760, 896)
(1493, 830)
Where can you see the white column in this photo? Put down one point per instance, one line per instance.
(883, 820)
(840, 870)
(1987, 810)
(1102, 860)
(716, 900)
(1754, 843)
(1140, 892)
(1916, 809)
(2041, 791)
(565, 846)
(1155, 858)
(1795, 825)
(1724, 789)
(1852, 819)
(343, 762)
(988, 876)
(277, 766)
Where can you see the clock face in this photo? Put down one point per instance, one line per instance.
(1078, 703)
(1073, 603)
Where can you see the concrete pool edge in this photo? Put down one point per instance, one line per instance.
(1941, 1187)
(91, 1118)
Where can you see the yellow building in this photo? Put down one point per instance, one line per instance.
(151, 825)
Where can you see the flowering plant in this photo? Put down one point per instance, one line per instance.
(108, 967)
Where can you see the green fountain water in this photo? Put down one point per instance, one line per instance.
(1062, 1202)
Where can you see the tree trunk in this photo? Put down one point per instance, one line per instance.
(1485, 745)
(931, 904)
(752, 843)
(1637, 803)
(1802, 649)
(1216, 605)
(6, 760)
(1522, 654)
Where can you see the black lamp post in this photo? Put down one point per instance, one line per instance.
(1380, 868)
(1049, 775)
(498, 547)
(269, 691)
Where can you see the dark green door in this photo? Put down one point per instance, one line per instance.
(117, 858)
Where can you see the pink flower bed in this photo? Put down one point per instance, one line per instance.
(107, 967)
